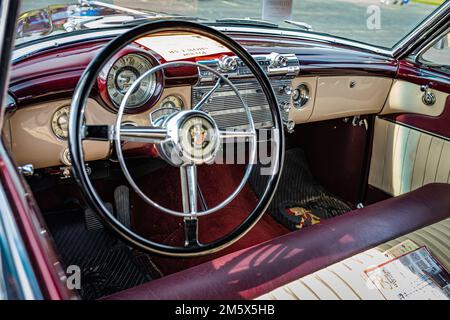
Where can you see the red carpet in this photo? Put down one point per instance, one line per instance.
(216, 182)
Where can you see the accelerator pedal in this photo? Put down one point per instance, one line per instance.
(122, 200)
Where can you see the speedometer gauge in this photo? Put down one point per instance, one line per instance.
(123, 73)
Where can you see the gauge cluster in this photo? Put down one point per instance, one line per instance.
(120, 74)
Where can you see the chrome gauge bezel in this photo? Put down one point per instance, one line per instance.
(162, 111)
(179, 104)
(299, 100)
(55, 125)
(131, 65)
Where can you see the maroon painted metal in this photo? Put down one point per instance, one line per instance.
(439, 125)
(54, 73)
(423, 75)
(37, 240)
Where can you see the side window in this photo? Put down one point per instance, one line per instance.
(438, 55)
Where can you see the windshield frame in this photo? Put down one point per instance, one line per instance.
(403, 47)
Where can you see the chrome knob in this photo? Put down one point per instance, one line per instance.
(290, 125)
(280, 61)
(286, 89)
(286, 106)
(228, 64)
(428, 97)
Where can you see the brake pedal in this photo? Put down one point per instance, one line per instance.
(122, 200)
(92, 221)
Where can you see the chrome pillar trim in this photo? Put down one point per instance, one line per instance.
(425, 29)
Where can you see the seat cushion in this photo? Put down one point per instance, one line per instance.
(347, 280)
(254, 271)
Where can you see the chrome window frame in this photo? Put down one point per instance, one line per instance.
(417, 57)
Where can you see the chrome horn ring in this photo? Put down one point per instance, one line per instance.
(171, 144)
(80, 132)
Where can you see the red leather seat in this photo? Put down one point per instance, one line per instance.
(251, 272)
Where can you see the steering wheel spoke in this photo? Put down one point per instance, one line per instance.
(100, 132)
(127, 133)
(208, 95)
(143, 134)
(233, 135)
(188, 175)
(191, 232)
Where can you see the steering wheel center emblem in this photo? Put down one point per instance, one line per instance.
(194, 138)
(199, 136)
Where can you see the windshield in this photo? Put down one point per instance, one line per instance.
(376, 22)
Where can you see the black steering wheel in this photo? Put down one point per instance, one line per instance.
(185, 139)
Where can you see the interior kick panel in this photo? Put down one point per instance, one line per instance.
(404, 159)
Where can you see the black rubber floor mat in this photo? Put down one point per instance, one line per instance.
(298, 188)
(106, 264)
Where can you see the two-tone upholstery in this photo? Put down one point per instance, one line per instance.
(347, 280)
(404, 159)
(253, 272)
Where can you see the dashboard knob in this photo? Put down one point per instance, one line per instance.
(228, 64)
(290, 125)
(279, 61)
(286, 106)
(286, 89)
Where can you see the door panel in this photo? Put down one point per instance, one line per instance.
(406, 97)
(404, 159)
(411, 144)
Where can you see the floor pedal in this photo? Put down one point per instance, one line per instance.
(122, 200)
(91, 219)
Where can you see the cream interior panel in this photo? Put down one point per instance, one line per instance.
(405, 159)
(407, 97)
(347, 280)
(335, 98)
(304, 113)
(33, 141)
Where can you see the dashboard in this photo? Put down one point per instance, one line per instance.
(37, 132)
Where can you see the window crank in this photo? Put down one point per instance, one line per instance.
(428, 97)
